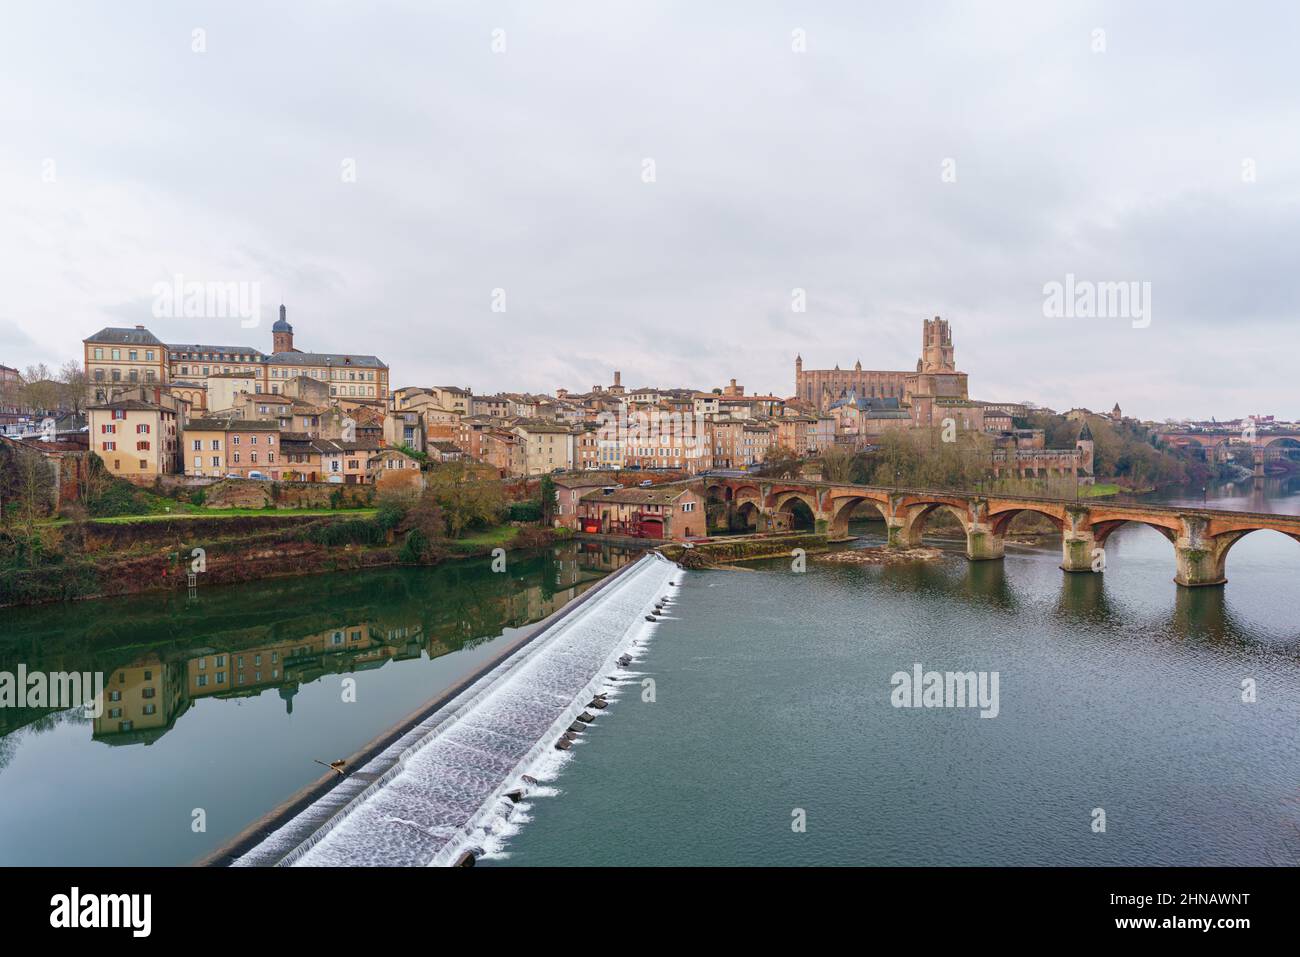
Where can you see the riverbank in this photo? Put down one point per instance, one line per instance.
(138, 554)
(722, 551)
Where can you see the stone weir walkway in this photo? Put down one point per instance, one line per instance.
(419, 801)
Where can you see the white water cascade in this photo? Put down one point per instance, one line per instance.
(432, 794)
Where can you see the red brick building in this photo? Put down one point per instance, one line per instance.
(672, 513)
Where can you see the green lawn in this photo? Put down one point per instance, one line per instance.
(1098, 490)
(498, 535)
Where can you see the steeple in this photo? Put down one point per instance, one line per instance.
(282, 333)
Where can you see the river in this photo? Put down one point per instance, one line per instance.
(229, 698)
(768, 705)
(1120, 692)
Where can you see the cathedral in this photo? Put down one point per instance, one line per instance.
(936, 376)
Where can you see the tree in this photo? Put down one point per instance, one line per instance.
(780, 462)
(40, 391)
(75, 385)
(548, 499)
(837, 464)
(465, 496)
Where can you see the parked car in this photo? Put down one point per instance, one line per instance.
(646, 483)
(233, 475)
(259, 476)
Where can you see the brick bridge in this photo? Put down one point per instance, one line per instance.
(1201, 537)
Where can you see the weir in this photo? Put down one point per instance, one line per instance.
(424, 799)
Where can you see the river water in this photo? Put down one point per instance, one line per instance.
(1119, 692)
(230, 697)
(768, 704)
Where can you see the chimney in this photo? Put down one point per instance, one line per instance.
(141, 328)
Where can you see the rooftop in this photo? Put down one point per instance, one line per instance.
(339, 360)
(139, 336)
(638, 496)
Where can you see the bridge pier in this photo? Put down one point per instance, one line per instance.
(983, 544)
(902, 533)
(1200, 557)
(1198, 567)
(1077, 547)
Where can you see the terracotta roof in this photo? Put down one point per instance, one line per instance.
(638, 496)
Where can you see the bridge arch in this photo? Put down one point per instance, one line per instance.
(783, 498)
(917, 515)
(1223, 544)
(843, 507)
(802, 515)
(1102, 529)
(749, 513)
(1001, 519)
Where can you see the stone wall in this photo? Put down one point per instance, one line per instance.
(287, 495)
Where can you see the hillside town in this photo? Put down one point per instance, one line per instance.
(198, 413)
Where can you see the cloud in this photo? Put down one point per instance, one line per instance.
(822, 170)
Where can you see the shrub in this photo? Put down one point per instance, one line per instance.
(414, 547)
(359, 531)
(524, 512)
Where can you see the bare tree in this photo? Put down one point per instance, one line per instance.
(40, 390)
(76, 384)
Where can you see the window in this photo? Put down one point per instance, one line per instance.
(144, 465)
(198, 445)
(142, 446)
(216, 461)
(216, 444)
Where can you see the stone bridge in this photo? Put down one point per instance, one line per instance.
(1201, 538)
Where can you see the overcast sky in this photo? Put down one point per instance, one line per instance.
(1170, 157)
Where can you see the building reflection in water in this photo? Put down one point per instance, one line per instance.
(405, 619)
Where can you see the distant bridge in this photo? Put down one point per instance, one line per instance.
(1201, 537)
(1219, 446)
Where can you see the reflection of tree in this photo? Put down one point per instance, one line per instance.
(444, 608)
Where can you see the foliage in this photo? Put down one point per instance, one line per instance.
(392, 509)
(837, 464)
(465, 498)
(414, 547)
(546, 510)
(781, 462)
(921, 459)
(356, 531)
(524, 511)
(421, 457)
